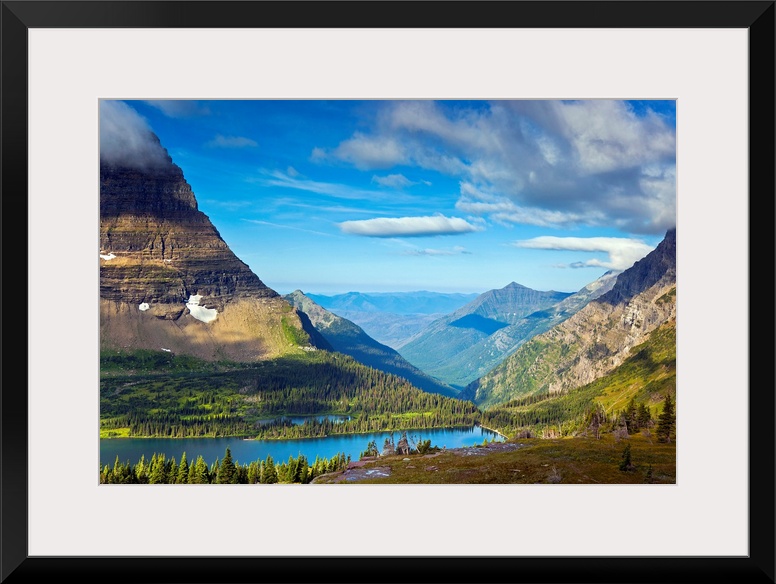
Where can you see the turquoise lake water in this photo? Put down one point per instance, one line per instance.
(245, 451)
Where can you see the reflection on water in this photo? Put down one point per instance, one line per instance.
(299, 420)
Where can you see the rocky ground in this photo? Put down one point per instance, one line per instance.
(570, 461)
(382, 466)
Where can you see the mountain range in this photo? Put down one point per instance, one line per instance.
(393, 318)
(169, 282)
(436, 349)
(467, 365)
(419, 302)
(346, 337)
(593, 342)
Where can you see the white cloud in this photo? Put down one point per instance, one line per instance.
(394, 181)
(179, 108)
(231, 142)
(126, 138)
(408, 226)
(341, 191)
(607, 136)
(367, 153)
(505, 211)
(318, 155)
(593, 162)
(622, 252)
(457, 250)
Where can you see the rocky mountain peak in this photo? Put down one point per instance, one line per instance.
(658, 265)
(168, 280)
(158, 249)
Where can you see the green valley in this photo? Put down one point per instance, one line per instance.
(151, 393)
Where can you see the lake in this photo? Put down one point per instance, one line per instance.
(245, 451)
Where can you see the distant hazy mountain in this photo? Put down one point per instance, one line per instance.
(420, 302)
(389, 328)
(442, 341)
(392, 318)
(348, 338)
(595, 340)
(467, 365)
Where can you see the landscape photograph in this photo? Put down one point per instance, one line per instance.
(308, 292)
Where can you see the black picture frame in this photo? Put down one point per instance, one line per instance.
(755, 16)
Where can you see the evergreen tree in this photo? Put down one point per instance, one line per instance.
(141, 470)
(318, 467)
(644, 417)
(226, 473)
(666, 422)
(254, 473)
(631, 416)
(191, 478)
(172, 471)
(269, 474)
(157, 473)
(304, 470)
(626, 464)
(183, 471)
(201, 476)
(292, 469)
(596, 419)
(122, 473)
(371, 449)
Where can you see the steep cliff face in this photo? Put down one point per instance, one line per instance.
(657, 267)
(165, 248)
(169, 281)
(595, 340)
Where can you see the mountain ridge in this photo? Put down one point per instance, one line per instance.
(592, 342)
(433, 347)
(417, 302)
(476, 360)
(346, 337)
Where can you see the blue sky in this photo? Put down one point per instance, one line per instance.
(449, 196)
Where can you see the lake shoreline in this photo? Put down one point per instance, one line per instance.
(492, 430)
(416, 430)
(249, 438)
(254, 449)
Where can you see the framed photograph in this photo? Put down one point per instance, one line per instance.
(616, 153)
